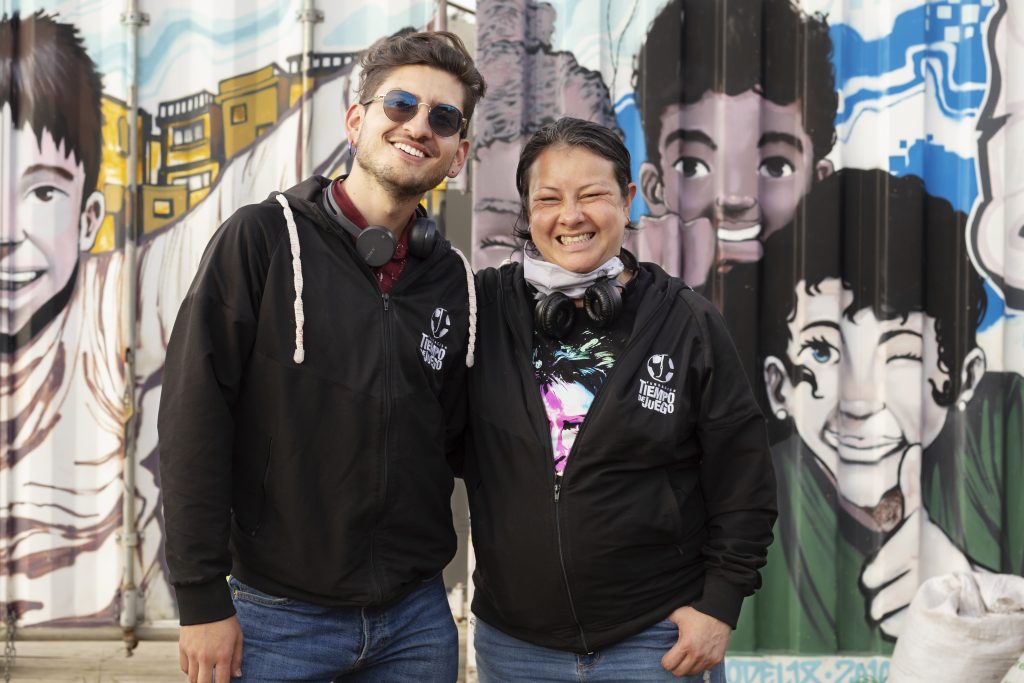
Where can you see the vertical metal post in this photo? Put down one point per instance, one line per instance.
(129, 536)
(442, 15)
(309, 15)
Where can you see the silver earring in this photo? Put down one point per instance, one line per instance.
(781, 414)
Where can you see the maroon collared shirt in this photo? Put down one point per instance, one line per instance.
(387, 274)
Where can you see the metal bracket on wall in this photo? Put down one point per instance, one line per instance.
(311, 16)
(135, 19)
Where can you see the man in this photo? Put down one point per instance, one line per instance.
(60, 346)
(732, 144)
(313, 389)
(893, 475)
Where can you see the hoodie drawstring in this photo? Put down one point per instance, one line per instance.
(300, 317)
(293, 240)
(471, 347)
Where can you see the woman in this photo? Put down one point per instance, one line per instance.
(620, 483)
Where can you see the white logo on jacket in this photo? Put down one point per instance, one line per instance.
(440, 321)
(433, 352)
(656, 395)
(660, 367)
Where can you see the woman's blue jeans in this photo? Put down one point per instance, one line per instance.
(500, 658)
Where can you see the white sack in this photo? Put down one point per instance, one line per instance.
(961, 627)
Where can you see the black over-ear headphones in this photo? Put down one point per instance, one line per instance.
(376, 244)
(602, 302)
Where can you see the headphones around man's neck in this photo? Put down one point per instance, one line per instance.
(376, 244)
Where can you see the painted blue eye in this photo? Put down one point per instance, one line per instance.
(821, 351)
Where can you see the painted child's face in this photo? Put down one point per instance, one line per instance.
(41, 221)
(871, 394)
(741, 161)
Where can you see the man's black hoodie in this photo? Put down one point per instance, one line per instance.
(324, 471)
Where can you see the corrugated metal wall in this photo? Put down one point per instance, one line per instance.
(221, 98)
(843, 179)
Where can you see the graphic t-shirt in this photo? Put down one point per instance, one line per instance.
(570, 371)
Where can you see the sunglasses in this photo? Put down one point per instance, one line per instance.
(401, 106)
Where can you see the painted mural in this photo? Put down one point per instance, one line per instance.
(223, 102)
(843, 179)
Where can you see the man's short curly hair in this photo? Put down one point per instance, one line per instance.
(438, 49)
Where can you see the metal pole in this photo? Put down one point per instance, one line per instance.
(129, 536)
(442, 15)
(309, 15)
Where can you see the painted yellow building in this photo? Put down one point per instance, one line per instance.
(195, 136)
(321, 64)
(191, 143)
(161, 204)
(113, 175)
(251, 104)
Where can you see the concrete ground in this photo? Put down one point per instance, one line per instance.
(105, 662)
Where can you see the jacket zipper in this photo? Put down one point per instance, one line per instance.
(557, 481)
(386, 320)
(386, 300)
(561, 561)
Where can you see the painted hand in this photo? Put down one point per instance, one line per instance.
(701, 645)
(917, 551)
(205, 650)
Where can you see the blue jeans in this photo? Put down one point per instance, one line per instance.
(288, 640)
(500, 658)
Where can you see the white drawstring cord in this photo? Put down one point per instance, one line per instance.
(471, 348)
(293, 239)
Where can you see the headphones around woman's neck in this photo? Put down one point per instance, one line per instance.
(376, 244)
(555, 313)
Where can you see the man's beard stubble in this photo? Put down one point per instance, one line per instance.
(415, 188)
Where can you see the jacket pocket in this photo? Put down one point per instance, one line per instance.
(240, 591)
(689, 499)
(249, 480)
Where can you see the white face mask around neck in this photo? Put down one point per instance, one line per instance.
(547, 277)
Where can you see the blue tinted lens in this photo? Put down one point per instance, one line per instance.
(445, 119)
(400, 106)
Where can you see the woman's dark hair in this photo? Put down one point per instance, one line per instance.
(569, 132)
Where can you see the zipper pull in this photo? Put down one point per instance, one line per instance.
(558, 490)
(387, 299)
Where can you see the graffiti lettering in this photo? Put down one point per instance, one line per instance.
(807, 669)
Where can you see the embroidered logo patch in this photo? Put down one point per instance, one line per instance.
(434, 351)
(656, 395)
(661, 368)
(440, 321)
